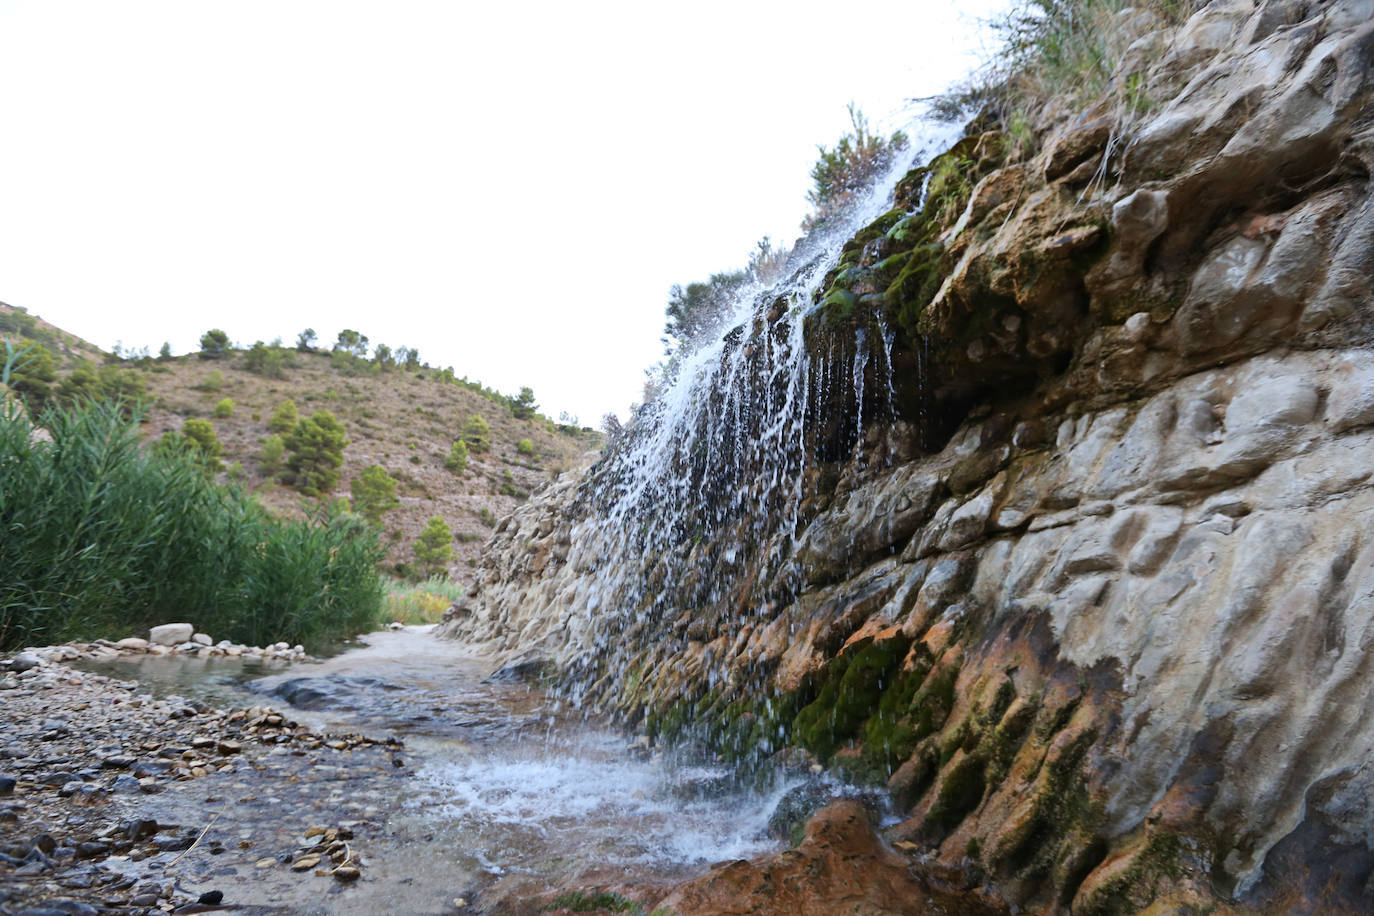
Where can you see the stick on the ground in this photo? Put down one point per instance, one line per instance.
(198, 839)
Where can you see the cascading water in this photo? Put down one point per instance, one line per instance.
(694, 517)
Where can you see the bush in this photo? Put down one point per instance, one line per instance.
(224, 409)
(457, 460)
(522, 406)
(374, 493)
(697, 309)
(316, 453)
(214, 344)
(212, 382)
(843, 174)
(434, 548)
(127, 386)
(477, 434)
(32, 376)
(103, 538)
(271, 455)
(267, 361)
(198, 441)
(165, 354)
(525, 447)
(351, 342)
(284, 418)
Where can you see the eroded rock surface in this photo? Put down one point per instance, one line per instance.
(1095, 596)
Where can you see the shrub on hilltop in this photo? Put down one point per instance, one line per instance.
(214, 344)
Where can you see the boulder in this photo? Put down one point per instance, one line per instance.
(171, 634)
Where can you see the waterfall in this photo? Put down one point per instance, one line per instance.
(692, 519)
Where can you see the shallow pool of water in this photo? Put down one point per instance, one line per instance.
(502, 792)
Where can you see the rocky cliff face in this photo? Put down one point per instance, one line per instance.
(1083, 565)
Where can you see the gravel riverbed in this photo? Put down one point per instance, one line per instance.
(113, 801)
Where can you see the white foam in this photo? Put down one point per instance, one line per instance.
(594, 795)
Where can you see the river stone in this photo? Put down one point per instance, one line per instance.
(327, 692)
(170, 634)
(24, 662)
(132, 642)
(202, 639)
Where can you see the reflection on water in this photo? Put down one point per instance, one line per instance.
(216, 680)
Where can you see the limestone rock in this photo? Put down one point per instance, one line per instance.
(171, 634)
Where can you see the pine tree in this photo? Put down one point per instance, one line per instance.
(284, 419)
(316, 446)
(374, 493)
(477, 434)
(271, 455)
(457, 460)
(434, 548)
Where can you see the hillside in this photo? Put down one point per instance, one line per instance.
(402, 420)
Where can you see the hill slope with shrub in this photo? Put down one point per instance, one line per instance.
(403, 420)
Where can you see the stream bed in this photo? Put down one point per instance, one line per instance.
(498, 794)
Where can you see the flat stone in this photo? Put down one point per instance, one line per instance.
(132, 642)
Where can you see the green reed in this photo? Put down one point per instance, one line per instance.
(100, 536)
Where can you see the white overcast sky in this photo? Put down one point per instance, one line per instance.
(510, 187)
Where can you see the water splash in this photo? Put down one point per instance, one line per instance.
(587, 795)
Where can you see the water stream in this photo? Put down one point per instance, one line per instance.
(504, 791)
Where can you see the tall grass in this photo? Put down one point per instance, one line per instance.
(1065, 54)
(423, 602)
(101, 537)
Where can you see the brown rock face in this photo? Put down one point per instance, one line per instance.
(841, 866)
(1083, 566)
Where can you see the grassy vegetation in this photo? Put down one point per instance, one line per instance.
(423, 602)
(397, 414)
(588, 902)
(102, 537)
(1066, 54)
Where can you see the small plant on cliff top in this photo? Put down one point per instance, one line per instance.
(843, 174)
(1062, 52)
